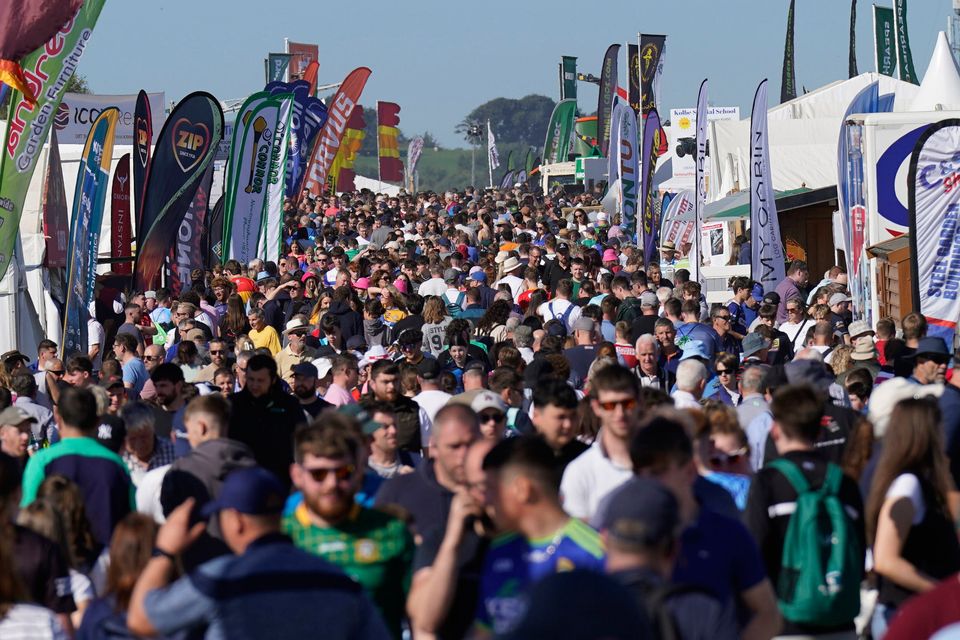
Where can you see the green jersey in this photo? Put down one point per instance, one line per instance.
(373, 548)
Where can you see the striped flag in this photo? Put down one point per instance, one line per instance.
(388, 119)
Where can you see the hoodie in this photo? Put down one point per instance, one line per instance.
(376, 332)
(351, 322)
(200, 474)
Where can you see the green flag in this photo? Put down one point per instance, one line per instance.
(884, 46)
(47, 69)
(568, 78)
(557, 144)
(528, 162)
(904, 58)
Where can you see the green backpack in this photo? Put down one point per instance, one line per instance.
(822, 564)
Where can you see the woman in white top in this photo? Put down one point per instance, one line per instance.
(908, 521)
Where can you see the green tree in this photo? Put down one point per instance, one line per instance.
(78, 84)
(514, 121)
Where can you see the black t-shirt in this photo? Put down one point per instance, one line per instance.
(470, 557)
(43, 570)
(580, 358)
(315, 407)
(554, 273)
(836, 426)
(641, 326)
(410, 322)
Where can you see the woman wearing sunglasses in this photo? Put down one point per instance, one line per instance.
(728, 379)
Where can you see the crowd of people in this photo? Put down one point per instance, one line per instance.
(479, 414)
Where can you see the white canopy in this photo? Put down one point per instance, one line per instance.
(940, 90)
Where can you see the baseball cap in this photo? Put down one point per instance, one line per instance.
(753, 343)
(837, 298)
(641, 512)
(367, 424)
(483, 401)
(771, 298)
(304, 369)
(16, 415)
(450, 275)
(479, 276)
(150, 295)
(555, 328)
(649, 299)
(428, 369)
(583, 324)
(254, 491)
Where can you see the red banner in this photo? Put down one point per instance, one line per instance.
(120, 216)
(339, 110)
(301, 55)
(388, 119)
(310, 75)
(56, 225)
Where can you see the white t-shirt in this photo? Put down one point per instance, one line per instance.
(31, 622)
(556, 308)
(515, 283)
(95, 336)
(588, 479)
(907, 485)
(796, 333)
(431, 402)
(432, 287)
(148, 493)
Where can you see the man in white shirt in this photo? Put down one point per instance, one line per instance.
(591, 476)
(435, 286)
(560, 307)
(509, 276)
(691, 379)
(431, 399)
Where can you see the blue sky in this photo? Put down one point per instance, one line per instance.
(440, 59)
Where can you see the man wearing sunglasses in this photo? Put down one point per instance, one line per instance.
(605, 465)
(373, 548)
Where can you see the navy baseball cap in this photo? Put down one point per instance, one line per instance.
(254, 491)
(641, 512)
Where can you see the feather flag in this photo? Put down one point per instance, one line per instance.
(388, 150)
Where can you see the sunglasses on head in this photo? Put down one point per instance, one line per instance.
(340, 473)
(628, 405)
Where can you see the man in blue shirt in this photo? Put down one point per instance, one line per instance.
(134, 372)
(270, 589)
(523, 494)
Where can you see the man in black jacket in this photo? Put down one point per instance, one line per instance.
(351, 322)
(264, 418)
(413, 424)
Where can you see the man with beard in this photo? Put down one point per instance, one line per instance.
(264, 417)
(305, 389)
(218, 359)
(373, 548)
(413, 424)
(167, 379)
(427, 493)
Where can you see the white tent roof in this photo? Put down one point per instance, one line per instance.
(940, 90)
(803, 137)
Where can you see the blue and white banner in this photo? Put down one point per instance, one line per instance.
(700, 186)
(767, 259)
(308, 117)
(934, 196)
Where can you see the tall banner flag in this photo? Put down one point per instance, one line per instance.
(120, 234)
(853, 40)
(851, 198)
(24, 26)
(559, 131)
(493, 156)
(628, 165)
(186, 145)
(213, 235)
(187, 253)
(934, 206)
(93, 180)
(388, 151)
(142, 139)
(884, 40)
(651, 69)
(700, 185)
(568, 78)
(53, 202)
(613, 162)
(310, 76)
(788, 82)
(341, 173)
(529, 162)
(328, 141)
(634, 92)
(47, 71)
(648, 223)
(608, 90)
(271, 234)
(309, 115)
(301, 55)
(277, 64)
(261, 118)
(414, 149)
(902, 41)
(767, 262)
